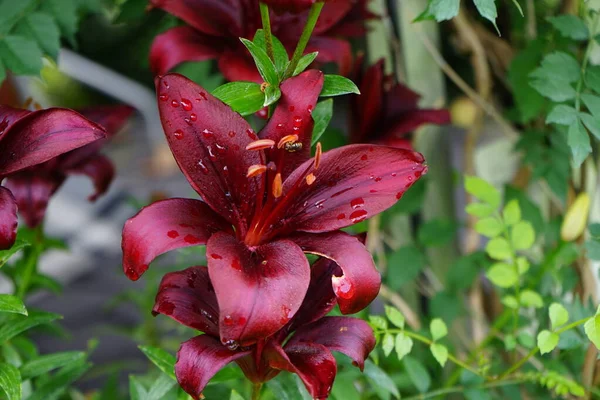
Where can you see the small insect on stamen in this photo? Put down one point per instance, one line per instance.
(318, 153)
(310, 179)
(260, 144)
(287, 139)
(277, 186)
(255, 170)
(293, 147)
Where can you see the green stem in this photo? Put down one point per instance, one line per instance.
(266, 23)
(32, 257)
(313, 16)
(522, 361)
(256, 391)
(458, 389)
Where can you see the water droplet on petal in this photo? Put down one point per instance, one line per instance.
(309, 108)
(357, 203)
(358, 216)
(341, 216)
(216, 256)
(231, 344)
(202, 167)
(364, 157)
(174, 103)
(178, 134)
(163, 97)
(291, 108)
(186, 104)
(228, 320)
(173, 234)
(342, 287)
(193, 117)
(207, 134)
(236, 264)
(220, 149)
(231, 134)
(399, 195)
(191, 239)
(319, 203)
(211, 154)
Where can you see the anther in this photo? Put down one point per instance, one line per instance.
(260, 144)
(310, 179)
(255, 170)
(277, 186)
(287, 139)
(263, 86)
(27, 103)
(318, 153)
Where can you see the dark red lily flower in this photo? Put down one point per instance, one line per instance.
(215, 26)
(189, 298)
(33, 187)
(265, 202)
(29, 138)
(292, 6)
(386, 111)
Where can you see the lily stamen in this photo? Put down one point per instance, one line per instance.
(255, 170)
(287, 139)
(277, 186)
(260, 144)
(310, 179)
(318, 153)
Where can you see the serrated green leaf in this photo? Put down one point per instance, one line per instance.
(441, 10)
(161, 358)
(387, 344)
(529, 102)
(378, 322)
(65, 14)
(403, 345)
(510, 302)
(19, 323)
(554, 78)
(592, 77)
(321, 115)
(592, 330)
(558, 315)
(483, 191)
(272, 94)
(47, 363)
(529, 298)
(570, 26)
(43, 29)
(499, 249)
(438, 329)
(417, 373)
(305, 61)
(279, 52)
(487, 9)
(395, 316)
(490, 227)
(10, 381)
(20, 55)
(243, 97)
(555, 90)
(547, 341)
(480, 210)
(440, 353)
(502, 275)
(11, 12)
(12, 304)
(511, 212)
(591, 123)
(337, 85)
(522, 235)
(562, 115)
(263, 62)
(592, 102)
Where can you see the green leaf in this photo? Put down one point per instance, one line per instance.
(47, 363)
(235, 395)
(555, 90)
(305, 61)
(594, 230)
(529, 102)
(263, 62)
(387, 344)
(11, 12)
(522, 235)
(2, 78)
(562, 115)
(522, 265)
(137, 391)
(161, 358)
(417, 373)
(43, 29)
(592, 330)
(592, 102)
(395, 316)
(337, 85)
(487, 9)
(321, 115)
(483, 191)
(510, 342)
(378, 322)
(558, 315)
(20, 323)
(279, 52)
(579, 142)
(6, 254)
(441, 10)
(440, 353)
(405, 265)
(20, 55)
(592, 77)
(438, 329)
(403, 345)
(480, 210)
(160, 388)
(511, 212)
(510, 302)
(570, 26)
(502, 275)
(10, 381)
(12, 304)
(529, 298)
(437, 232)
(547, 341)
(272, 94)
(380, 378)
(526, 340)
(490, 227)
(592, 123)
(593, 249)
(53, 388)
(243, 97)
(499, 249)
(553, 79)
(65, 14)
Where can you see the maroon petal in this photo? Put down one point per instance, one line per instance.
(188, 297)
(8, 116)
(237, 65)
(213, 17)
(111, 117)
(351, 336)
(208, 141)
(400, 99)
(32, 190)
(332, 13)
(199, 359)
(293, 116)
(181, 44)
(367, 107)
(332, 50)
(8, 219)
(312, 362)
(41, 135)
(163, 226)
(411, 120)
(100, 170)
(352, 183)
(258, 290)
(360, 281)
